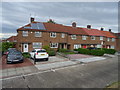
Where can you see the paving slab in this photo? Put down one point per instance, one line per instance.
(55, 65)
(90, 59)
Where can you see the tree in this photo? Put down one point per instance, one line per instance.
(51, 21)
(6, 45)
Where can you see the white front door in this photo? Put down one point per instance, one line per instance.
(25, 47)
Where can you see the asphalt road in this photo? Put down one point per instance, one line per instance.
(91, 75)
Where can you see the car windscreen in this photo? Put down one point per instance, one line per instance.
(40, 51)
(15, 53)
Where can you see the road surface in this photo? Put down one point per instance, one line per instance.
(90, 75)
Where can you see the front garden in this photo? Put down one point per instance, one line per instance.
(96, 52)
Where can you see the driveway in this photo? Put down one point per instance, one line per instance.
(90, 75)
(4, 65)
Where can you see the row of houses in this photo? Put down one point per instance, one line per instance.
(58, 36)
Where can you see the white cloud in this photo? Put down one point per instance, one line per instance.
(6, 35)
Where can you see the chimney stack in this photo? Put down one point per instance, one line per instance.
(110, 30)
(89, 26)
(74, 24)
(32, 19)
(102, 29)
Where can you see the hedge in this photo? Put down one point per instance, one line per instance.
(51, 52)
(62, 50)
(91, 52)
(83, 51)
(26, 55)
(97, 52)
(109, 51)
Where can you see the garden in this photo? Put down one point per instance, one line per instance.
(95, 52)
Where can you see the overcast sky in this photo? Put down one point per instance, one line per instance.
(98, 14)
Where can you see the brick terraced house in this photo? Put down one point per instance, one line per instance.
(58, 36)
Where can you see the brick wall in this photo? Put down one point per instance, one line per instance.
(46, 40)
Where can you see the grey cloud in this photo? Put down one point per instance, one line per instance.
(94, 13)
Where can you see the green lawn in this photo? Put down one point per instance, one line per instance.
(113, 85)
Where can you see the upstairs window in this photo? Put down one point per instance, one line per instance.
(54, 45)
(101, 37)
(25, 33)
(92, 37)
(84, 37)
(113, 39)
(37, 45)
(38, 34)
(108, 39)
(53, 34)
(63, 35)
(73, 37)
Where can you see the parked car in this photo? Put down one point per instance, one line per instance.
(9, 50)
(14, 56)
(38, 54)
(92, 48)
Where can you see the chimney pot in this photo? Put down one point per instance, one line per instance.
(74, 24)
(110, 30)
(102, 29)
(89, 26)
(32, 19)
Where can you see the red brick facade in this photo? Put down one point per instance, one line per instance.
(63, 42)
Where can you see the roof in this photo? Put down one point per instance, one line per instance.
(93, 32)
(108, 34)
(12, 38)
(53, 27)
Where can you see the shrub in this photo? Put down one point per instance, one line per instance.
(63, 50)
(83, 51)
(26, 55)
(75, 49)
(5, 45)
(109, 51)
(51, 52)
(69, 53)
(46, 47)
(97, 52)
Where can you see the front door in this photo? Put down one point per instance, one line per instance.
(25, 47)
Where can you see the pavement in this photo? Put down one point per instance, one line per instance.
(11, 70)
(97, 74)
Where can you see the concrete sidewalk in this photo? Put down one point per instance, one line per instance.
(85, 60)
(52, 64)
(55, 65)
(5, 73)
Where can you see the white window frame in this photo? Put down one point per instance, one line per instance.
(108, 39)
(84, 37)
(53, 34)
(37, 43)
(92, 37)
(73, 37)
(99, 46)
(38, 34)
(76, 46)
(63, 35)
(101, 37)
(53, 45)
(24, 33)
(113, 39)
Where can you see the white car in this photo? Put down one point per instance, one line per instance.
(39, 54)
